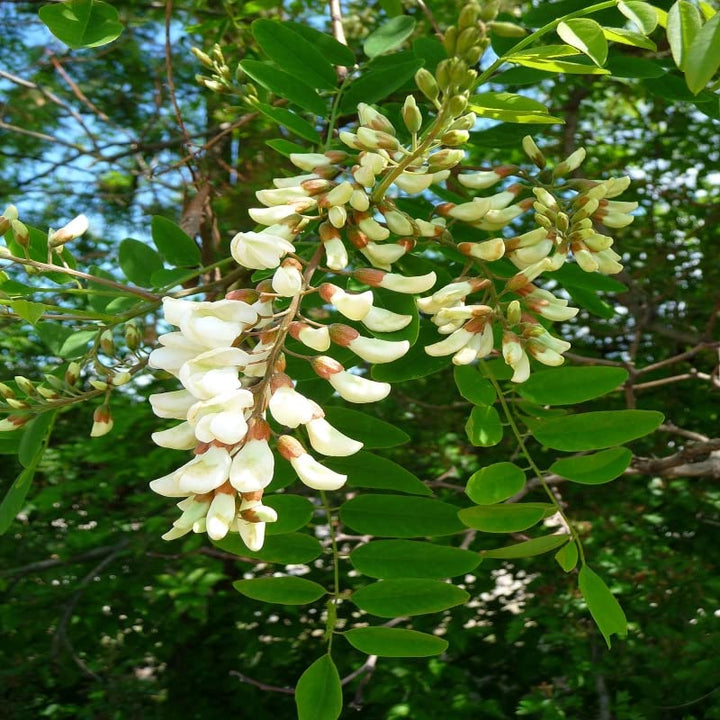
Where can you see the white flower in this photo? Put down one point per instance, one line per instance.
(378, 351)
(414, 183)
(329, 440)
(315, 338)
(354, 306)
(253, 467)
(213, 372)
(220, 515)
(309, 161)
(174, 404)
(357, 389)
(382, 256)
(221, 417)
(488, 250)
(315, 475)
(451, 344)
(176, 351)
(273, 215)
(287, 280)
(180, 437)
(381, 320)
(340, 194)
(259, 251)
(209, 324)
(280, 196)
(289, 407)
(74, 229)
(336, 255)
(201, 475)
(469, 212)
(252, 534)
(480, 180)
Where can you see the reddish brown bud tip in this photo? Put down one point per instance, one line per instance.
(370, 277)
(325, 366)
(342, 334)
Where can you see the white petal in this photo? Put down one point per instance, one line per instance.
(329, 440)
(174, 404)
(315, 475)
(289, 407)
(253, 467)
(180, 437)
(356, 389)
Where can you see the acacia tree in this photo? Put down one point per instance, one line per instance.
(399, 251)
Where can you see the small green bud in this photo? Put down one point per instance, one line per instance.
(468, 16)
(6, 391)
(427, 84)
(54, 382)
(72, 373)
(456, 105)
(107, 344)
(533, 151)
(24, 384)
(132, 336)
(202, 57)
(545, 197)
(445, 159)
(16, 404)
(442, 73)
(571, 163)
(450, 39)
(514, 313)
(453, 138)
(412, 117)
(543, 221)
(47, 393)
(562, 222)
(99, 384)
(473, 55)
(506, 29)
(20, 233)
(121, 379)
(489, 10)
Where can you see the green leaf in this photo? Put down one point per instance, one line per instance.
(395, 642)
(570, 385)
(370, 431)
(173, 243)
(567, 557)
(511, 108)
(290, 120)
(703, 55)
(594, 469)
(31, 450)
(547, 52)
(284, 85)
(372, 471)
(416, 363)
(138, 261)
(329, 47)
(528, 548)
(170, 277)
(642, 14)
(389, 36)
(82, 23)
(591, 302)
(587, 36)
(536, 60)
(473, 386)
(290, 50)
(684, 23)
(409, 596)
(571, 276)
(627, 66)
(506, 518)
(284, 590)
(400, 516)
(411, 558)
(596, 430)
(30, 311)
(34, 438)
(495, 483)
(287, 549)
(376, 84)
(318, 694)
(63, 341)
(604, 608)
(707, 10)
(294, 512)
(628, 37)
(285, 147)
(483, 427)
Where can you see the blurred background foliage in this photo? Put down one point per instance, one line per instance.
(101, 619)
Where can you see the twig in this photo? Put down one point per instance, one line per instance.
(338, 32)
(430, 17)
(261, 685)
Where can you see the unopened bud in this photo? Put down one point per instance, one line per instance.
(47, 393)
(506, 29)
(72, 373)
(121, 379)
(24, 385)
(54, 382)
(13, 422)
(132, 336)
(514, 312)
(489, 10)
(445, 159)
(449, 40)
(16, 404)
(371, 118)
(102, 421)
(533, 151)
(107, 344)
(74, 229)
(412, 117)
(20, 233)
(6, 391)
(427, 84)
(453, 138)
(99, 384)
(202, 57)
(570, 164)
(468, 16)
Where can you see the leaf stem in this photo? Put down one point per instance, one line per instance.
(332, 603)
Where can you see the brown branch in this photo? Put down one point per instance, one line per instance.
(338, 32)
(261, 685)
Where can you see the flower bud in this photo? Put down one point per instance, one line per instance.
(395, 282)
(14, 422)
(513, 312)
(570, 164)
(74, 229)
(121, 379)
(445, 159)
(352, 305)
(427, 84)
(359, 200)
(337, 215)
(102, 421)
(449, 40)
(20, 233)
(506, 29)
(72, 373)
(315, 338)
(533, 151)
(107, 344)
(24, 385)
(287, 280)
(371, 118)
(6, 391)
(412, 117)
(132, 336)
(456, 107)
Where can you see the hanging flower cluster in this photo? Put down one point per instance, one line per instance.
(230, 355)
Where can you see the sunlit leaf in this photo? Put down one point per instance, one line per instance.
(604, 608)
(395, 642)
(411, 596)
(82, 23)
